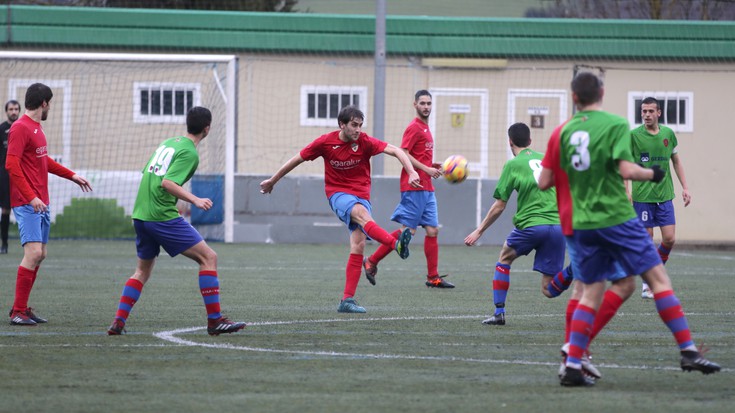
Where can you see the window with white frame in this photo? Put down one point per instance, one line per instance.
(320, 105)
(158, 102)
(676, 109)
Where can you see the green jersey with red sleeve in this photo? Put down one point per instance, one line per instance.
(584, 153)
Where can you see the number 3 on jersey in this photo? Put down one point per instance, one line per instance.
(581, 158)
(161, 160)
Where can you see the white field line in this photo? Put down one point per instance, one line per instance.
(171, 336)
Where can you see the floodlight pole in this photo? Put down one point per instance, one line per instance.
(378, 118)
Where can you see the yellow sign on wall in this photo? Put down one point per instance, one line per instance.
(457, 120)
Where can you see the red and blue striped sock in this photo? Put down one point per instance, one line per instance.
(664, 251)
(582, 321)
(501, 283)
(561, 282)
(209, 287)
(571, 306)
(130, 295)
(352, 275)
(670, 311)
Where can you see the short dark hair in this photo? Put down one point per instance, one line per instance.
(588, 88)
(36, 94)
(198, 118)
(649, 100)
(348, 113)
(520, 134)
(12, 102)
(422, 92)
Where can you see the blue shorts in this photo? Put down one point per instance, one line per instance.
(32, 226)
(342, 203)
(175, 236)
(547, 240)
(611, 253)
(417, 208)
(655, 214)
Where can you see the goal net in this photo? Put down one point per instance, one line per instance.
(108, 115)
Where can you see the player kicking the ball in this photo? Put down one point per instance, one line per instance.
(158, 224)
(347, 181)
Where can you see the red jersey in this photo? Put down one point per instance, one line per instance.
(418, 141)
(346, 164)
(27, 141)
(561, 182)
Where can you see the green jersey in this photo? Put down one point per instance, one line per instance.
(176, 159)
(649, 150)
(584, 154)
(535, 207)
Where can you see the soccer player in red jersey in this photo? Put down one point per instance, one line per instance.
(346, 153)
(587, 159)
(28, 165)
(418, 205)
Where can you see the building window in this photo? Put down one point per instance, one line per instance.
(164, 102)
(676, 109)
(320, 105)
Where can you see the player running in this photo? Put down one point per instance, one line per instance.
(158, 224)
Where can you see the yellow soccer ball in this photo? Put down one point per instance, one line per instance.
(455, 169)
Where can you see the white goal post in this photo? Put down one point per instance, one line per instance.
(111, 109)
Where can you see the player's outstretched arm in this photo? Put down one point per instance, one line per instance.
(495, 211)
(267, 186)
(433, 171)
(82, 182)
(635, 172)
(60, 170)
(413, 176)
(179, 192)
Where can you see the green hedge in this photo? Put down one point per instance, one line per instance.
(93, 218)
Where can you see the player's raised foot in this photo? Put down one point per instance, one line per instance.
(587, 367)
(496, 320)
(20, 318)
(349, 305)
(117, 328)
(693, 360)
(646, 293)
(575, 378)
(371, 270)
(217, 326)
(438, 282)
(402, 245)
(34, 317)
